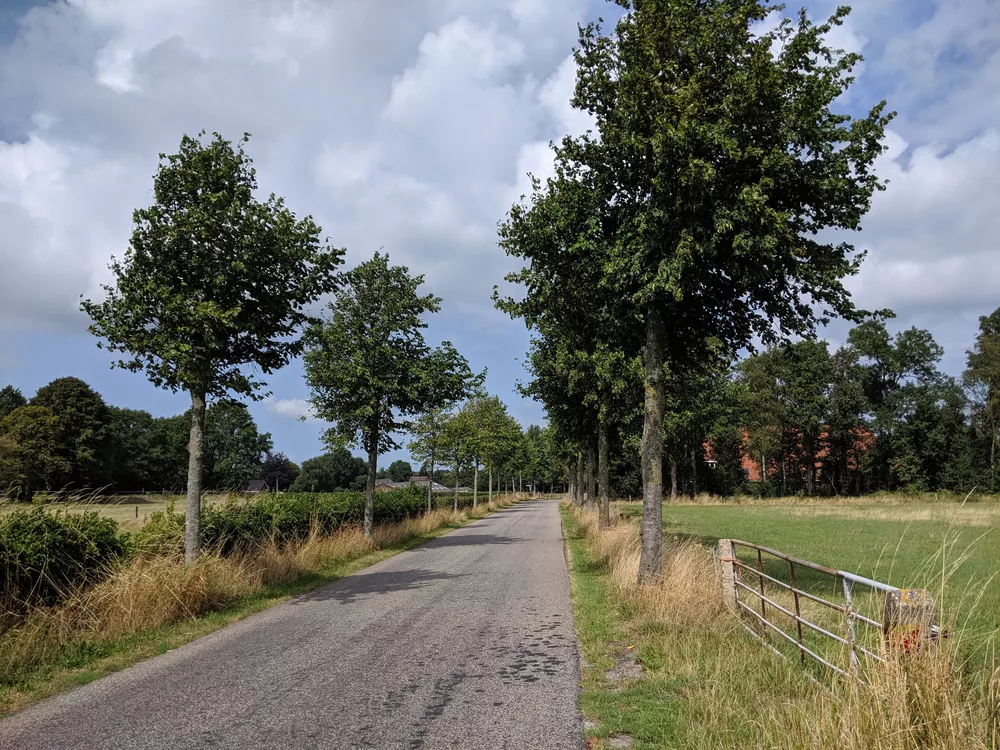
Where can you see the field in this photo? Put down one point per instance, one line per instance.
(668, 666)
(948, 548)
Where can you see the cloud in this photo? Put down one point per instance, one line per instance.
(934, 234)
(291, 408)
(405, 135)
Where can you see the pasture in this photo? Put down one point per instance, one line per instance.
(949, 548)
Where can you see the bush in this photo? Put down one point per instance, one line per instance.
(242, 524)
(44, 556)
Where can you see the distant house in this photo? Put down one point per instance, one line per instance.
(257, 485)
(384, 485)
(424, 481)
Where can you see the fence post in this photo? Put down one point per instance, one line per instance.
(908, 618)
(727, 572)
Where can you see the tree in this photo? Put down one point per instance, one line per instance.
(400, 471)
(234, 449)
(369, 368)
(82, 418)
(213, 282)
(456, 449)
(581, 371)
(718, 161)
(982, 377)
(331, 472)
(135, 457)
(10, 399)
(889, 363)
(30, 451)
(426, 443)
(279, 471)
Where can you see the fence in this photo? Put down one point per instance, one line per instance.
(868, 614)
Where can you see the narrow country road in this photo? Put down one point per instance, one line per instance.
(464, 642)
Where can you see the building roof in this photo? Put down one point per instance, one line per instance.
(257, 485)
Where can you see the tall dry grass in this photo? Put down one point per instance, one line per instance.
(738, 694)
(151, 591)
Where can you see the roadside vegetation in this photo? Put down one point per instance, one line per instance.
(93, 600)
(668, 666)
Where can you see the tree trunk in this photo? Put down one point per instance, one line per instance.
(581, 489)
(430, 483)
(694, 472)
(603, 475)
(651, 557)
(673, 480)
(196, 444)
(370, 486)
(570, 484)
(475, 485)
(591, 478)
(489, 471)
(456, 488)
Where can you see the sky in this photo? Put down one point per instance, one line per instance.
(410, 126)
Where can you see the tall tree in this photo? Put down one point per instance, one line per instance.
(719, 158)
(336, 470)
(82, 431)
(11, 398)
(31, 454)
(427, 442)
(279, 471)
(400, 471)
(982, 376)
(369, 368)
(234, 449)
(214, 282)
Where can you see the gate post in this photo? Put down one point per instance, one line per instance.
(908, 619)
(727, 573)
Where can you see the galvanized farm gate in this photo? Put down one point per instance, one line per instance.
(903, 618)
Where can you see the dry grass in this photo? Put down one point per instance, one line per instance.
(153, 591)
(737, 694)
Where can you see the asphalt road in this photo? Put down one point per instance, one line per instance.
(464, 642)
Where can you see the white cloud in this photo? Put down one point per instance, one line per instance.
(290, 408)
(404, 134)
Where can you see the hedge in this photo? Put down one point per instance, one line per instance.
(241, 524)
(46, 555)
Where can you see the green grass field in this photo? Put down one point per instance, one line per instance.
(948, 548)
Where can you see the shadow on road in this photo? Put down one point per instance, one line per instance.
(359, 586)
(466, 540)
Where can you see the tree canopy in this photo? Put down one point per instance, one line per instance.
(214, 285)
(368, 367)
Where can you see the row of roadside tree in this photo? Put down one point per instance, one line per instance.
(704, 213)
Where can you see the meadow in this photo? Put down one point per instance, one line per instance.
(667, 665)
(948, 548)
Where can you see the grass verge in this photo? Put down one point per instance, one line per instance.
(669, 667)
(155, 605)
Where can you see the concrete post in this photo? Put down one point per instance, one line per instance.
(727, 572)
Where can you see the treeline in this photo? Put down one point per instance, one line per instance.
(876, 414)
(67, 438)
(478, 444)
